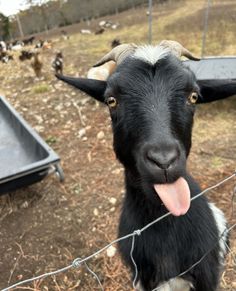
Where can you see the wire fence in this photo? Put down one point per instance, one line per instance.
(79, 261)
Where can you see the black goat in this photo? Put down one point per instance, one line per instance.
(99, 31)
(115, 42)
(57, 63)
(28, 41)
(25, 55)
(5, 57)
(151, 97)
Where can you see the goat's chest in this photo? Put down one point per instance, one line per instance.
(175, 284)
(163, 249)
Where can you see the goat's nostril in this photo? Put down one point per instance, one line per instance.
(162, 158)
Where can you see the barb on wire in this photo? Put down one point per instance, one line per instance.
(79, 261)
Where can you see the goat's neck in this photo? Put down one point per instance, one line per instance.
(137, 199)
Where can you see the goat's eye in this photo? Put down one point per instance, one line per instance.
(111, 102)
(192, 99)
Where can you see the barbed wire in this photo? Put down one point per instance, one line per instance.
(79, 261)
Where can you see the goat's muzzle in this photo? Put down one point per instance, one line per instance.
(162, 165)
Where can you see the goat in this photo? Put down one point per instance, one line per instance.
(37, 64)
(25, 55)
(85, 31)
(39, 44)
(28, 41)
(44, 44)
(115, 42)
(17, 47)
(151, 97)
(99, 31)
(64, 35)
(57, 63)
(5, 57)
(47, 45)
(3, 46)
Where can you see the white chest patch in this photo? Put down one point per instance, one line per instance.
(175, 284)
(221, 225)
(151, 54)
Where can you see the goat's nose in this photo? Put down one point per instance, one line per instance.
(163, 156)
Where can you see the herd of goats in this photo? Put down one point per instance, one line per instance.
(29, 49)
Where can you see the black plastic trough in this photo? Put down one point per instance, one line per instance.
(24, 157)
(212, 68)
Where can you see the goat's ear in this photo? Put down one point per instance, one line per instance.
(212, 90)
(94, 88)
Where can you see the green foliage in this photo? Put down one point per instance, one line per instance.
(4, 27)
(39, 89)
(51, 140)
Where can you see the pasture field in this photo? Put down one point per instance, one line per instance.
(45, 226)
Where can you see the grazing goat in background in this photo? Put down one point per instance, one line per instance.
(39, 44)
(3, 46)
(5, 57)
(25, 55)
(99, 31)
(65, 35)
(28, 41)
(115, 42)
(57, 63)
(152, 97)
(37, 64)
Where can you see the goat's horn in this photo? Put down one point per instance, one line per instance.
(177, 49)
(117, 54)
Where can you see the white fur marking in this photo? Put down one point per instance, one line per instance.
(151, 54)
(221, 225)
(176, 284)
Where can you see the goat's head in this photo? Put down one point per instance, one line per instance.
(151, 97)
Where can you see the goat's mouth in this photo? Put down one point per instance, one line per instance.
(175, 196)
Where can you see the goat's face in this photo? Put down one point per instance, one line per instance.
(152, 115)
(151, 102)
(152, 108)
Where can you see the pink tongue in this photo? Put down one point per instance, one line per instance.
(175, 196)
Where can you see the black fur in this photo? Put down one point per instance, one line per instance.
(154, 115)
(216, 89)
(57, 63)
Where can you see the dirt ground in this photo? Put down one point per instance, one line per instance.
(47, 225)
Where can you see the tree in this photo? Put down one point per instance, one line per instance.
(4, 27)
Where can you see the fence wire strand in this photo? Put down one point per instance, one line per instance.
(79, 261)
(95, 275)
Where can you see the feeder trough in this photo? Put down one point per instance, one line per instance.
(24, 157)
(211, 68)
